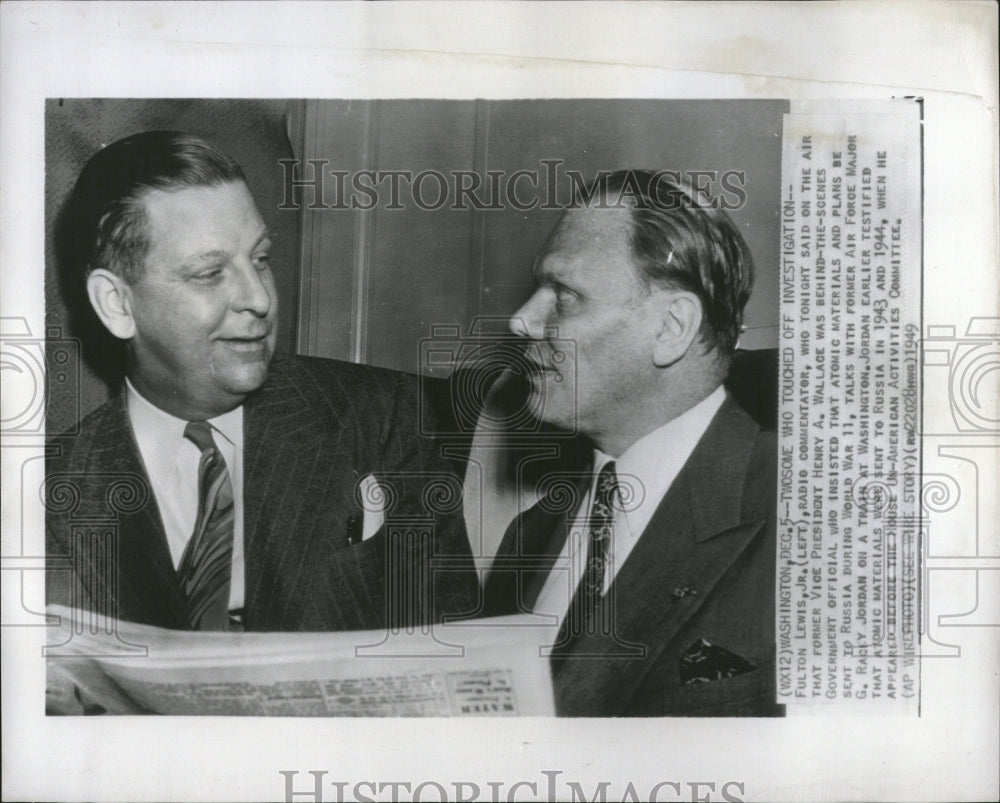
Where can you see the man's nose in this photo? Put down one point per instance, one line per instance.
(530, 320)
(254, 290)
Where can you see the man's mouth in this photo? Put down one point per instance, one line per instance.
(246, 342)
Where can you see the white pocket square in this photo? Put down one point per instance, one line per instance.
(373, 504)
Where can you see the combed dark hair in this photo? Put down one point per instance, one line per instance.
(681, 241)
(106, 220)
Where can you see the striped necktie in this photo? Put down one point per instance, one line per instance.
(206, 564)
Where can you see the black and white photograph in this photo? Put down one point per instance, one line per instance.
(464, 417)
(684, 626)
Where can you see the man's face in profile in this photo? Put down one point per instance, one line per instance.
(205, 307)
(589, 293)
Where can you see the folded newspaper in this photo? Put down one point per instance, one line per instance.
(492, 667)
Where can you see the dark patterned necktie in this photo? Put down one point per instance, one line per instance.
(584, 614)
(206, 565)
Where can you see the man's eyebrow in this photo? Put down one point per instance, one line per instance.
(544, 270)
(195, 260)
(547, 271)
(205, 256)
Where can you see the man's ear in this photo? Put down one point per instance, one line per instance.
(110, 299)
(680, 321)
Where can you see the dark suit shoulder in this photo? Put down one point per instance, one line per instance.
(338, 385)
(86, 443)
(324, 369)
(95, 421)
(95, 465)
(760, 488)
(735, 445)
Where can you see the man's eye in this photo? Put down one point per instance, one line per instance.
(564, 295)
(262, 261)
(209, 275)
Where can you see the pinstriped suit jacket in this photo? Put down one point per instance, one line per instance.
(311, 432)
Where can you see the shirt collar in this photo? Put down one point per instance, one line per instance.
(230, 426)
(160, 434)
(658, 457)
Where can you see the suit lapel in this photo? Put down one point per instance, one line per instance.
(147, 586)
(695, 536)
(530, 547)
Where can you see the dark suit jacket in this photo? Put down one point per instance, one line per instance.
(311, 432)
(693, 604)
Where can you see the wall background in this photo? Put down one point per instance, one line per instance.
(376, 281)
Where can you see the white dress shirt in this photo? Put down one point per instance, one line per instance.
(649, 466)
(171, 462)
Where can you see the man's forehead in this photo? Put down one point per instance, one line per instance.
(231, 199)
(202, 212)
(589, 231)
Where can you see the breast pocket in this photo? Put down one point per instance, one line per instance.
(723, 687)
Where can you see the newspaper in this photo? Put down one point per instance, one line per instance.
(492, 668)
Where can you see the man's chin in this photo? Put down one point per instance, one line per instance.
(246, 378)
(550, 408)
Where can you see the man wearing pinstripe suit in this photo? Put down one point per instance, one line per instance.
(175, 257)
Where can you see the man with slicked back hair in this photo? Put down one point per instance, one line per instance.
(660, 566)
